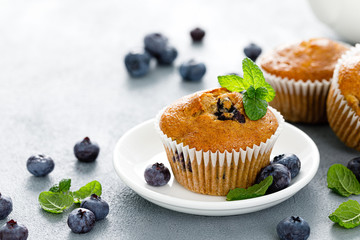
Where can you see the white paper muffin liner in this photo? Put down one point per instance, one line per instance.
(298, 100)
(215, 173)
(342, 118)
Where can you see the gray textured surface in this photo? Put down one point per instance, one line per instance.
(62, 77)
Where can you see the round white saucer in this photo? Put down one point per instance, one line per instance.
(141, 146)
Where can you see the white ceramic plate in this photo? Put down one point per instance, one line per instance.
(141, 146)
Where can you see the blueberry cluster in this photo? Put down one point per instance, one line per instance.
(227, 111)
(80, 220)
(11, 229)
(92, 209)
(157, 46)
(283, 168)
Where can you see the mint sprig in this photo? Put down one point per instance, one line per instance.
(256, 190)
(347, 214)
(342, 180)
(257, 91)
(59, 197)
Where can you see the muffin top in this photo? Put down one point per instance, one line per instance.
(215, 120)
(314, 59)
(349, 81)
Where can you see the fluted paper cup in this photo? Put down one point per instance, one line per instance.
(342, 118)
(215, 173)
(299, 101)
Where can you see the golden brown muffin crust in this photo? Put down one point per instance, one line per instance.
(314, 59)
(349, 82)
(194, 121)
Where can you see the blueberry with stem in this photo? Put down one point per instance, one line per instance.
(86, 151)
(157, 174)
(13, 230)
(293, 228)
(81, 220)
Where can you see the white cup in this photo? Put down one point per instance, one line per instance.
(343, 16)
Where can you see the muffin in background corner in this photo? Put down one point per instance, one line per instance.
(301, 74)
(343, 105)
(212, 145)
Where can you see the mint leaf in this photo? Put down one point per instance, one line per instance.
(271, 92)
(55, 202)
(254, 108)
(261, 93)
(251, 92)
(63, 186)
(342, 180)
(252, 74)
(93, 187)
(55, 188)
(347, 214)
(232, 83)
(256, 190)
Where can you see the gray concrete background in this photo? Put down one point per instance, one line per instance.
(62, 78)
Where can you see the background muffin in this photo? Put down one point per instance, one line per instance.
(212, 145)
(343, 105)
(300, 74)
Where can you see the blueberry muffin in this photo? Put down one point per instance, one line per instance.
(301, 73)
(211, 144)
(343, 103)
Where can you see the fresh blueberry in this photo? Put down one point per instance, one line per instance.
(81, 220)
(13, 231)
(155, 43)
(137, 63)
(6, 206)
(192, 70)
(86, 151)
(167, 56)
(98, 206)
(157, 174)
(293, 228)
(291, 161)
(252, 51)
(281, 177)
(197, 34)
(354, 166)
(40, 165)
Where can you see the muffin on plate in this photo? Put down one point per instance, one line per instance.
(301, 73)
(343, 102)
(212, 145)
